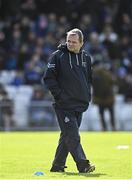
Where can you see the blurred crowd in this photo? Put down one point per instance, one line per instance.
(30, 30)
(29, 36)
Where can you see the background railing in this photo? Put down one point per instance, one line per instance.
(40, 115)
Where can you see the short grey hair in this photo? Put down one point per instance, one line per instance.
(78, 32)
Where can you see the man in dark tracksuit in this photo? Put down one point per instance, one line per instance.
(68, 77)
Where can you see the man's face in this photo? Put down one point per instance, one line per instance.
(73, 43)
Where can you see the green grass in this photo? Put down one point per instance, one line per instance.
(24, 153)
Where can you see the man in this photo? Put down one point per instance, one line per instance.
(103, 96)
(68, 77)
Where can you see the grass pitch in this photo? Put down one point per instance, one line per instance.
(24, 153)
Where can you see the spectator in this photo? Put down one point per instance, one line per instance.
(103, 95)
(125, 87)
(19, 79)
(33, 70)
(97, 50)
(6, 110)
(109, 40)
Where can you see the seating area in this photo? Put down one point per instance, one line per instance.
(21, 96)
(22, 100)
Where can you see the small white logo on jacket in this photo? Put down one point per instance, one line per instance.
(66, 119)
(51, 65)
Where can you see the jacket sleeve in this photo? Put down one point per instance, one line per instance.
(51, 75)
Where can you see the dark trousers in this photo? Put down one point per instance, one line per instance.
(102, 109)
(69, 141)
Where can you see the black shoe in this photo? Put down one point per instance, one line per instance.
(85, 167)
(88, 169)
(56, 168)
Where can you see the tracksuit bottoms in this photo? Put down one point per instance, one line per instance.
(69, 141)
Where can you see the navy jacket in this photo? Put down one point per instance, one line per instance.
(68, 77)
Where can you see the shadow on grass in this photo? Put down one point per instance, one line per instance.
(85, 174)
